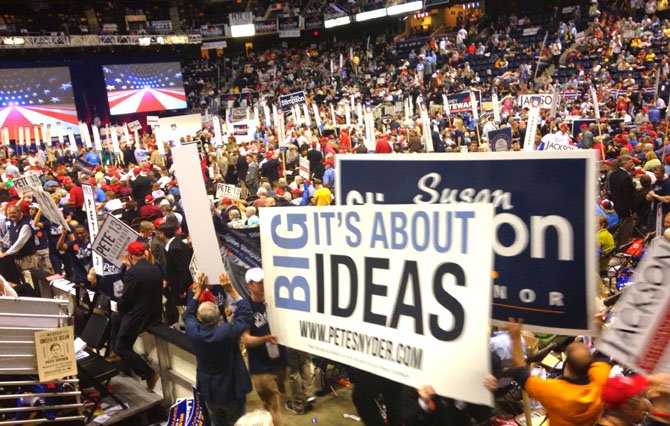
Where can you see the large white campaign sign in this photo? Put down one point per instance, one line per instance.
(196, 206)
(395, 290)
(638, 334)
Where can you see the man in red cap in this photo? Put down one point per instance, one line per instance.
(625, 401)
(139, 307)
(149, 209)
(586, 136)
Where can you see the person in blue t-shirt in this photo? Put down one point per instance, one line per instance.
(267, 359)
(92, 158)
(41, 239)
(79, 251)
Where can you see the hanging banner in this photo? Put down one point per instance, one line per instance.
(637, 335)
(500, 140)
(26, 138)
(544, 222)
(266, 26)
(92, 219)
(73, 141)
(313, 22)
(288, 23)
(317, 116)
(556, 100)
(380, 291)
(59, 133)
(5, 136)
(85, 135)
(287, 101)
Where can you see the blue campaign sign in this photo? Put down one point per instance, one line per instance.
(544, 242)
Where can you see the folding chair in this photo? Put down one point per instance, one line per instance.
(94, 370)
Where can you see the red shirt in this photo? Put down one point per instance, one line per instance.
(77, 196)
(383, 147)
(149, 210)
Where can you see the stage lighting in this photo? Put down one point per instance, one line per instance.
(405, 8)
(342, 20)
(372, 14)
(245, 30)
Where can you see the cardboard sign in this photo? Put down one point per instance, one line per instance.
(227, 190)
(54, 350)
(390, 289)
(193, 268)
(92, 219)
(544, 221)
(287, 101)
(303, 168)
(134, 125)
(27, 183)
(500, 140)
(637, 335)
(555, 145)
(459, 103)
(152, 120)
(113, 239)
(546, 100)
(196, 207)
(49, 207)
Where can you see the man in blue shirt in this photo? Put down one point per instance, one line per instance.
(92, 158)
(329, 175)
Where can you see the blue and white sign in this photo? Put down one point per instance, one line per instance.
(390, 289)
(544, 237)
(286, 102)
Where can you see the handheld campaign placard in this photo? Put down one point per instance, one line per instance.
(393, 290)
(113, 239)
(544, 237)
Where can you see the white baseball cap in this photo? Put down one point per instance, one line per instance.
(254, 274)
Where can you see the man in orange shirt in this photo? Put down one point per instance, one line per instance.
(575, 399)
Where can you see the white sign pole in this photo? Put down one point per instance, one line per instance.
(531, 128)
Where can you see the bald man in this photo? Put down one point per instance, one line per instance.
(574, 399)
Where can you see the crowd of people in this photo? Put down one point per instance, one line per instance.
(623, 58)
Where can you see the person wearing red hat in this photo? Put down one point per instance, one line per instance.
(329, 175)
(141, 186)
(625, 399)
(140, 307)
(76, 200)
(149, 209)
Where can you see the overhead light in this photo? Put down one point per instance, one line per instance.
(342, 20)
(160, 40)
(405, 8)
(144, 41)
(372, 14)
(244, 30)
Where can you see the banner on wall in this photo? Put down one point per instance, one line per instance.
(389, 289)
(540, 226)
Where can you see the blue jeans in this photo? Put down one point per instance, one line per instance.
(226, 414)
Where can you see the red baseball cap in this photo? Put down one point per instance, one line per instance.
(149, 197)
(619, 389)
(136, 248)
